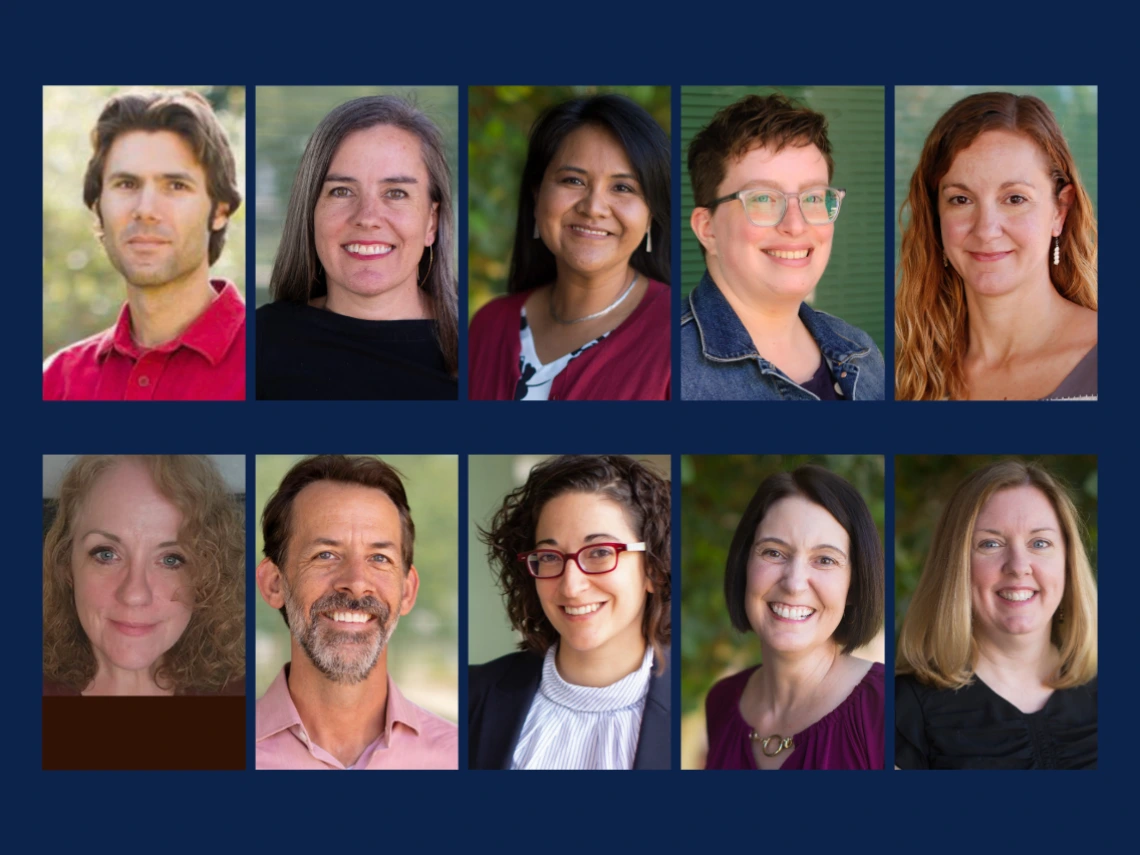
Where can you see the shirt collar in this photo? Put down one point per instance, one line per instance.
(211, 333)
(724, 338)
(626, 692)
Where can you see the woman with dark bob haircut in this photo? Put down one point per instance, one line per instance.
(586, 315)
(144, 580)
(581, 552)
(997, 656)
(997, 282)
(364, 298)
(805, 573)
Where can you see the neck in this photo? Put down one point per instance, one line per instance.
(1021, 321)
(599, 668)
(790, 680)
(773, 320)
(1017, 658)
(341, 718)
(161, 313)
(405, 303)
(110, 680)
(576, 294)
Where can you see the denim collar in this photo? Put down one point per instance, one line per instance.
(724, 338)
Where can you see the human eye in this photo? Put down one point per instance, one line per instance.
(957, 200)
(179, 185)
(572, 181)
(124, 183)
(1040, 543)
(1017, 199)
(771, 553)
(340, 192)
(601, 552)
(324, 555)
(381, 558)
(989, 543)
(103, 554)
(173, 561)
(812, 197)
(397, 193)
(827, 561)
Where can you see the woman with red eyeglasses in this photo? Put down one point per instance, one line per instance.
(581, 553)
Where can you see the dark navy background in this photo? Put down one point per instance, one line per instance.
(705, 43)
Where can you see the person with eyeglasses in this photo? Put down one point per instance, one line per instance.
(581, 553)
(765, 217)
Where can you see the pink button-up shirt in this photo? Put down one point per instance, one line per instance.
(413, 738)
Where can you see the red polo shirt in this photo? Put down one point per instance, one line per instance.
(205, 363)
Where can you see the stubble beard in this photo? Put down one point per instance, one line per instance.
(343, 656)
(182, 261)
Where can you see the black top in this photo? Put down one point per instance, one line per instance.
(821, 384)
(976, 728)
(305, 353)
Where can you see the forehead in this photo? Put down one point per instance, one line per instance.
(999, 156)
(151, 153)
(126, 497)
(571, 516)
(1016, 508)
(799, 520)
(336, 511)
(591, 145)
(380, 149)
(793, 167)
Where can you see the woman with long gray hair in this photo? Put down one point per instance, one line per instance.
(364, 291)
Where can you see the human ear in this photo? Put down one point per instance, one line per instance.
(433, 224)
(411, 588)
(269, 583)
(700, 221)
(1064, 202)
(220, 217)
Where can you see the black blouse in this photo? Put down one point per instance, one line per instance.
(976, 728)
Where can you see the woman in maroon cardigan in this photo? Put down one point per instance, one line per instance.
(587, 313)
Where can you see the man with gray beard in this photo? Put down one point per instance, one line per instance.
(338, 565)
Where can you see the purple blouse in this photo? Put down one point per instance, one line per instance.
(851, 736)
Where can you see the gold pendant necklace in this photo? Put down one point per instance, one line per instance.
(782, 742)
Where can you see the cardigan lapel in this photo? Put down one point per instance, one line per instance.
(505, 712)
(655, 741)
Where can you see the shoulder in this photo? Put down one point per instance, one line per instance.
(280, 312)
(726, 693)
(53, 689)
(435, 727)
(838, 326)
(498, 311)
(81, 351)
(871, 693)
(482, 679)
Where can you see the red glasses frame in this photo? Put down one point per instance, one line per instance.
(618, 548)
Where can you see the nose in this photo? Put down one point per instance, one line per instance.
(146, 202)
(369, 211)
(987, 220)
(793, 222)
(134, 590)
(593, 202)
(573, 581)
(354, 578)
(1018, 563)
(795, 579)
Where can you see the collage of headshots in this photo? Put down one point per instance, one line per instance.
(299, 252)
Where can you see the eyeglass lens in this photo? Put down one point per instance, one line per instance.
(592, 559)
(767, 207)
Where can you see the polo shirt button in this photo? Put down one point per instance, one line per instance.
(144, 381)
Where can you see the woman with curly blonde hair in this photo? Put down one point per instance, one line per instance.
(997, 281)
(144, 581)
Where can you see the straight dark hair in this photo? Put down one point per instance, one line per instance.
(297, 275)
(864, 613)
(646, 145)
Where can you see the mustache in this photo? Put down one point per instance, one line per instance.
(338, 601)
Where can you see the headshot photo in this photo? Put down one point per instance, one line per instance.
(342, 568)
(143, 598)
(996, 285)
(154, 176)
(782, 298)
(574, 302)
(782, 612)
(996, 612)
(569, 592)
(356, 253)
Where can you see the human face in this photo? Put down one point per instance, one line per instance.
(783, 262)
(1017, 564)
(374, 216)
(599, 614)
(133, 588)
(799, 573)
(999, 213)
(155, 210)
(345, 586)
(590, 208)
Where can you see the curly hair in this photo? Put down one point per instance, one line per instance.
(643, 495)
(936, 642)
(931, 330)
(210, 655)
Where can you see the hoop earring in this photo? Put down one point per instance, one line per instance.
(431, 259)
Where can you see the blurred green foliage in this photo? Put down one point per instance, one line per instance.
(82, 291)
(287, 117)
(923, 485)
(918, 108)
(423, 656)
(500, 118)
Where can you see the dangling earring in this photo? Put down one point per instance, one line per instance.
(945, 260)
(1056, 250)
(536, 234)
(1060, 614)
(649, 240)
(431, 258)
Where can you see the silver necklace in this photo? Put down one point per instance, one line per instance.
(605, 311)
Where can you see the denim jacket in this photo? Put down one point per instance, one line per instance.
(719, 362)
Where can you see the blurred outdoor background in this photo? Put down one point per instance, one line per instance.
(500, 119)
(918, 108)
(923, 485)
(82, 291)
(715, 490)
(852, 285)
(423, 656)
(490, 479)
(287, 117)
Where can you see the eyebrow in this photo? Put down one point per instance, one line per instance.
(567, 168)
(1003, 185)
(392, 179)
(328, 541)
(169, 176)
(1031, 531)
(117, 539)
(787, 545)
(586, 539)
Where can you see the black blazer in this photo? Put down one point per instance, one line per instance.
(499, 695)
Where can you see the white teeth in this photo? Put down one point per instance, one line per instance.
(1016, 596)
(582, 610)
(369, 248)
(587, 231)
(350, 617)
(791, 612)
(779, 253)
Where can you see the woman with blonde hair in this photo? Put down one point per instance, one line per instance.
(997, 657)
(997, 280)
(144, 580)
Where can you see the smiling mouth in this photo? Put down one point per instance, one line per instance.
(134, 629)
(368, 249)
(788, 254)
(582, 230)
(794, 613)
(576, 611)
(990, 256)
(343, 617)
(1017, 596)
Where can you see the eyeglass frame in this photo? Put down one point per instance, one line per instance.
(739, 194)
(619, 548)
